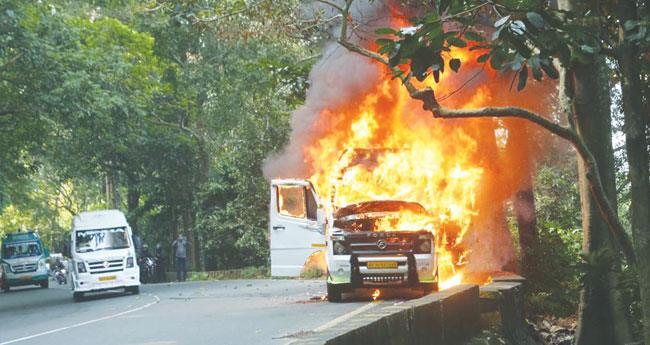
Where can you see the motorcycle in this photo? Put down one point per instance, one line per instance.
(61, 276)
(148, 270)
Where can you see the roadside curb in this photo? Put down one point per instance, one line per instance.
(446, 317)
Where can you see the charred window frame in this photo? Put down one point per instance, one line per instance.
(291, 201)
(305, 208)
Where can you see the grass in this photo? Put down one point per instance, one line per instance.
(261, 272)
(253, 272)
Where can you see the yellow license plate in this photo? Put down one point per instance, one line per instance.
(107, 278)
(382, 264)
(26, 278)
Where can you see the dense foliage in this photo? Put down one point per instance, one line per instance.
(164, 110)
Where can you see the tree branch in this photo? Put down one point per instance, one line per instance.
(331, 4)
(216, 18)
(428, 98)
(160, 122)
(592, 173)
(12, 60)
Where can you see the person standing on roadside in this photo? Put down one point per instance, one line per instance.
(180, 248)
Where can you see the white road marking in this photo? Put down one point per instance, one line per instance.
(345, 317)
(83, 323)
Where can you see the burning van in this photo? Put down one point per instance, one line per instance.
(369, 248)
(368, 244)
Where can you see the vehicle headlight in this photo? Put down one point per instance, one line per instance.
(42, 264)
(423, 247)
(339, 248)
(129, 262)
(6, 268)
(81, 267)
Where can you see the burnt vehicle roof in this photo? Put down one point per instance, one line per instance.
(379, 206)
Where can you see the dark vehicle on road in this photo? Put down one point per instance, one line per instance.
(148, 269)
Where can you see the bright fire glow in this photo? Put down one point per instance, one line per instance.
(361, 137)
(376, 294)
(453, 281)
(384, 147)
(462, 171)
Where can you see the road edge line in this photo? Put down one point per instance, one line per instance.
(344, 317)
(60, 329)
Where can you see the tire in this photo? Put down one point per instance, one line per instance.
(134, 290)
(45, 284)
(5, 287)
(78, 296)
(334, 293)
(429, 287)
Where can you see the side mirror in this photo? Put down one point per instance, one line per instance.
(46, 251)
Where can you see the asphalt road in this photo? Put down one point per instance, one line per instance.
(214, 312)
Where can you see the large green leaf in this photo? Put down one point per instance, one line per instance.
(454, 64)
(523, 77)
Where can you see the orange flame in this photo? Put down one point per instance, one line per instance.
(417, 160)
(451, 167)
(376, 294)
(453, 281)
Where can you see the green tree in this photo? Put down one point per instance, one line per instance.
(155, 108)
(29, 36)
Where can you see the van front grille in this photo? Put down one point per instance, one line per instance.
(383, 279)
(97, 267)
(22, 268)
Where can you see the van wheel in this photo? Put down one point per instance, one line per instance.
(45, 284)
(5, 287)
(429, 287)
(78, 296)
(334, 292)
(134, 290)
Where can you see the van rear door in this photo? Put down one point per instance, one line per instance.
(295, 232)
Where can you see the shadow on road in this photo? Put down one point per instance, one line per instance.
(94, 296)
(19, 289)
(28, 298)
(366, 295)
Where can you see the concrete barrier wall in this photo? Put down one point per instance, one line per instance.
(443, 318)
(505, 300)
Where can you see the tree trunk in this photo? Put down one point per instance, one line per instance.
(490, 242)
(175, 232)
(112, 193)
(519, 155)
(108, 191)
(637, 156)
(186, 218)
(133, 201)
(524, 207)
(204, 161)
(601, 319)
